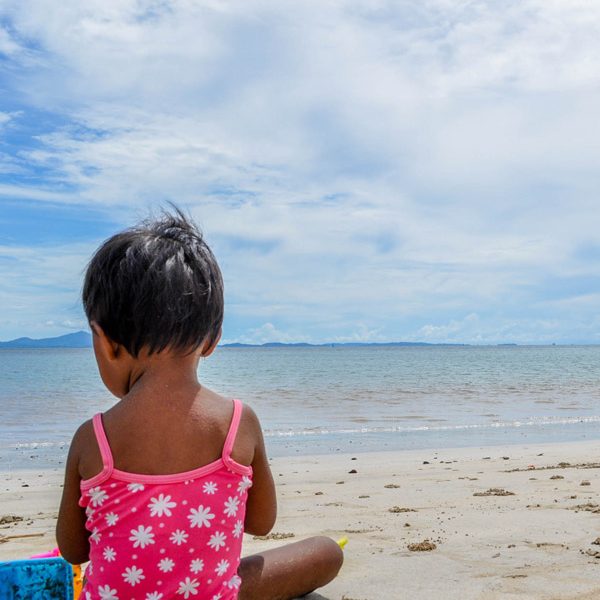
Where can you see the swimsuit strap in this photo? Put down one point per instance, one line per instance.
(233, 428)
(107, 458)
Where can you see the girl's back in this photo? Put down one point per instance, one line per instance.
(167, 426)
(157, 535)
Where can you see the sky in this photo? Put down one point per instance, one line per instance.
(423, 170)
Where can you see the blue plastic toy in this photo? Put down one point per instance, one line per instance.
(36, 579)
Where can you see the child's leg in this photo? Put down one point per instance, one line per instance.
(290, 571)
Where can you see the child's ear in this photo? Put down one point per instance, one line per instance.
(103, 344)
(208, 348)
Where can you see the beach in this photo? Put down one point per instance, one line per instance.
(515, 521)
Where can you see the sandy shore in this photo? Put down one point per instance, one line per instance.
(536, 542)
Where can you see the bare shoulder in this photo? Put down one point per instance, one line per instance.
(249, 437)
(83, 437)
(85, 447)
(221, 408)
(250, 419)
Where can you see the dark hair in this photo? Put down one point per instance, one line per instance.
(156, 285)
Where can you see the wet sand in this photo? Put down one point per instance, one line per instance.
(494, 522)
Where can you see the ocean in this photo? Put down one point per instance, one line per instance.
(314, 400)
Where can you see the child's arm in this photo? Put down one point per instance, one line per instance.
(71, 534)
(261, 506)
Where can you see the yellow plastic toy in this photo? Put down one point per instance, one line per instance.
(342, 542)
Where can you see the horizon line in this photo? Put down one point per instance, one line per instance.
(32, 341)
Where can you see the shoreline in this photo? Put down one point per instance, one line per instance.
(37, 456)
(534, 542)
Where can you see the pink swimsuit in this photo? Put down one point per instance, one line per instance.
(161, 537)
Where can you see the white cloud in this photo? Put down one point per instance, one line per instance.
(75, 324)
(362, 334)
(41, 281)
(447, 331)
(379, 162)
(267, 332)
(474, 330)
(8, 45)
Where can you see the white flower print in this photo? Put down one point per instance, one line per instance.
(234, 582)
(154, 596)
(166, 565)
(196, 565)
(106, 593)
(97, 496)
(222, 567)
(188, 587)
(88, 596)
(142, 536)
(161, 506)
(95, 535)
(217, 596)
(231, 506)
(200, 517)
(89, 511)
(109, 554)
(244, 484)
(135, 487)
(237, 529)
(217, 541)
(111, 519)
(179, 536)
(210, 487)
(133, 575)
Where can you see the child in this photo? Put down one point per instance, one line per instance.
(159, 489)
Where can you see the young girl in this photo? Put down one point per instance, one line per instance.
(160, 488)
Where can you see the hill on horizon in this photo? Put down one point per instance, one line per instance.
(79, 339)
(83, 339)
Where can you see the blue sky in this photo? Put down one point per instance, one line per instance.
(365, 171)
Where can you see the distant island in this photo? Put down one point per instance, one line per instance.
(80, 339)
(332, 344)
(83, 339)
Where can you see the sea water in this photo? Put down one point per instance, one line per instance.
(331, 399)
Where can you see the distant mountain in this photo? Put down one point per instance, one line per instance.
(83, 339)
(333, 344)
(80, 339)
(267, 345)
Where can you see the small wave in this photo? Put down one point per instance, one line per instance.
(315, 431)
(542, 422)
(34, 445)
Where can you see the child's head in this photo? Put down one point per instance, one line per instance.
(156, 286)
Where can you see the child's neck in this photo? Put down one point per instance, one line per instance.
(163, 374)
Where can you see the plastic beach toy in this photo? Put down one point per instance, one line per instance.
(36, 579)
(342, 542)
(40, 577)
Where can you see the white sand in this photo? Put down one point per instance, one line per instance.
(529, 545)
